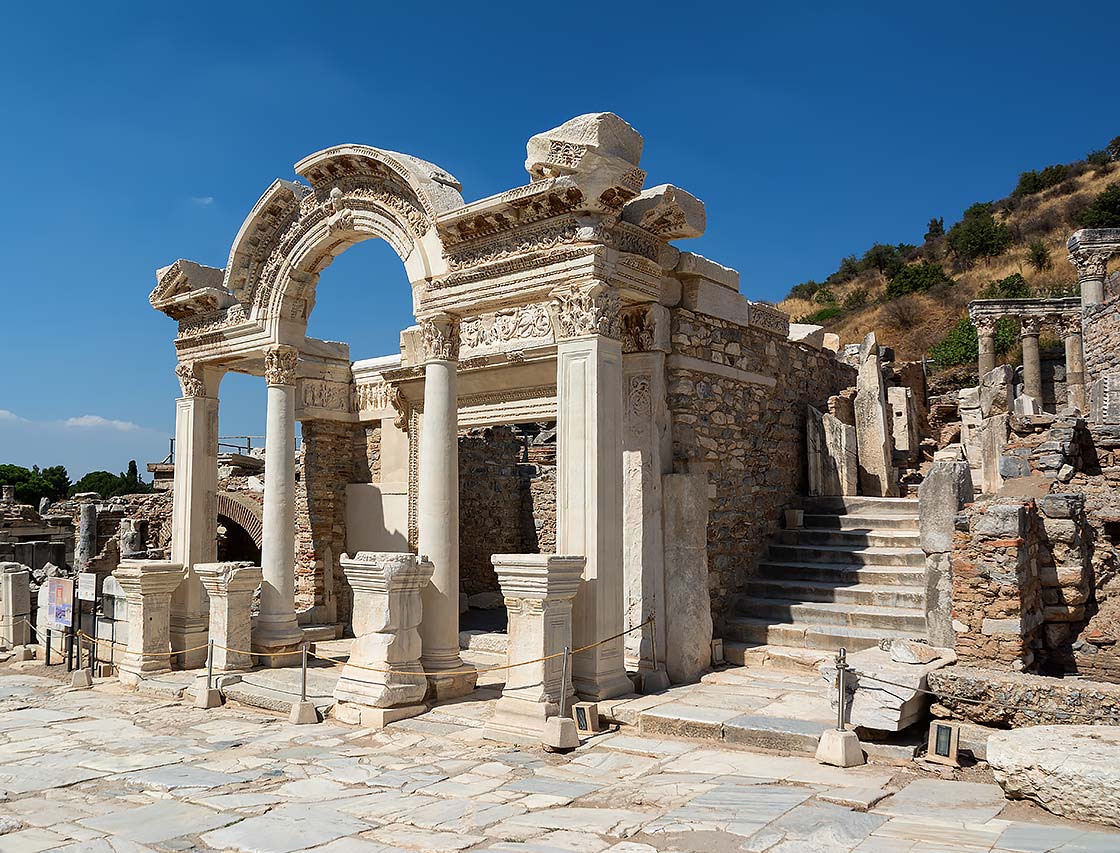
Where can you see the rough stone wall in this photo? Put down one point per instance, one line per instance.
(328, 463)
(751, 435)
(507, 504)
(1101, 337)
(997, 588)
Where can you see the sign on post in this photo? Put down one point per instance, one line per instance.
(60, 603)
(87, 586)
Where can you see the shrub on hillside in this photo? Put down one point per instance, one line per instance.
(1012, 287)
(822, 316)
(1113, 148)
(916, 278)
(805, 290)
(903, 313)
(1103, 211)
(824, 296)
(887, 259)
(935, 228)
(856, 299)
(961, 345)
(1038, 256)
(978, 235)
(1035, 182)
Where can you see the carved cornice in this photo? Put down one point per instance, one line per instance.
(594, 310)
(1090, 264)
(440, 338)
(280, 365)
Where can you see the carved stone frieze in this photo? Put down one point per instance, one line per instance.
(594, 310)
(440, 338)
(382, 395)
(524, 324)
(523, 241)
(639, 402)
(325, 394)
(769, 318)
(280, 365)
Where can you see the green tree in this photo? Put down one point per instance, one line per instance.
(1113, 148)
(110, 485)
(978, 235)
(32, 484)
(1098, 158)
(1104, 210)
(961, 345)
(935, 228)
(916, 278)
(856, 299)
(1035, 182)
(824, 296)
(805, 290)
(1038, 256)
(1012, 287)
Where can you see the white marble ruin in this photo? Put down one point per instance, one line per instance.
(229, 588)
(15, 605)
(148, 587)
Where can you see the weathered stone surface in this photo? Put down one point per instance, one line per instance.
(1072, 771)
(689, 628)
(833, 464)
(888, 694)
(808, 334)
(997, 389)
(668, 211)
(945, 489)
(873, 440)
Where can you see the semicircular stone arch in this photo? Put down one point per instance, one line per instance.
(244, 512)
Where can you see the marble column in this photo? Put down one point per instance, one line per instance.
(438, 511)
(230, 588)
(1092, 267)
(589, 479)
(1075, 363)
(538, 590)
(194, 523)
(275, 629)
(646, 457)
(986, 338)
(388, 610)
(148, 586)
(1032, 365)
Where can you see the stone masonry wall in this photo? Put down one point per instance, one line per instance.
(751, 435)
(1101, 337)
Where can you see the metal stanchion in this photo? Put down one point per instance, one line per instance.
(840, 747)
(559, 731)
(564, 682)
(48, 661)
(210, 697)
(841, 667)
(303, 712)
(80, 677)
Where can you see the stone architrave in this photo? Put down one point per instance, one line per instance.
(230, 587)
(688, 628)
(148, 586)
(387, 614)
(833, 463)
(15, 605)
(538, 590)
(873, 439)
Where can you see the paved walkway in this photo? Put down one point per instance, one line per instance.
(105, 770)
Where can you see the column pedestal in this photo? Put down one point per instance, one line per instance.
(275, 630)
(230, 588)
(438, 513)
(387, 612)
(147, 585)
(538, 590)
(589, 505)
(15, 605)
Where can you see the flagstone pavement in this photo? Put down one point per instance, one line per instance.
(107, 770)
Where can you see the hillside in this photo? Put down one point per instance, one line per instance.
(1022, 234)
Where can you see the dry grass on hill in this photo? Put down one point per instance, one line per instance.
(914, 323)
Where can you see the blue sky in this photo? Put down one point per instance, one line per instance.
(135, 134)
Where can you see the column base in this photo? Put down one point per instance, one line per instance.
(653, 680)
(277, 644)
(519, 717)
(374, 718)
(380, 690)
(132, 673)
(458, 681)
(607, 685)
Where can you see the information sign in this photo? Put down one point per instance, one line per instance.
(60, 603)
(87, 586)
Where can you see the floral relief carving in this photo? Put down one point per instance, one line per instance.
(1031, 326)
(440, 338)
(638, 327)
(985, 326)
(190, 379)
(594, 310)
(280, 365)
(1089, 264)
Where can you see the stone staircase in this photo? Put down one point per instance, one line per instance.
(852, 575)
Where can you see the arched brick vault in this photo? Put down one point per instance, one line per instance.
(243, 511)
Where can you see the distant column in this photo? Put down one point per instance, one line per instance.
(1091, 270)
(1032, 366)
(1075, 363)
(276, 630)
(986, 337)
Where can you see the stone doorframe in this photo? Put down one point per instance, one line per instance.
(520, 300)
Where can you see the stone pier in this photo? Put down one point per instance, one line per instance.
(15, 605)
(148, 586)
(230, 588)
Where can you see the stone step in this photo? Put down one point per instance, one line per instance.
(322, 633)
(822, 536)
(874, 595)
(858, 555)
(853, 504)
(832, 521)
(838, 573)
(765, 658)
(910, 620)
(747, 629)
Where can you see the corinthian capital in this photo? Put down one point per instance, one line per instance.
(985, 326)
(589, 310)
(190, 379)
(1069, 324)
(1089, 264)
(440, 337)
(1030, 327)
(280, 365)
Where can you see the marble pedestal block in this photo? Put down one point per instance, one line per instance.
(148, 586)
(538, 589)
(230, 587)
(387, 613)
(15, 605)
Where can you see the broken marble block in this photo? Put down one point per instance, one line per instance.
(886, 694)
